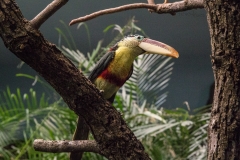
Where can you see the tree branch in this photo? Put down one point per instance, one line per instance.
(37, 21)
(114, 138)
(158, 8)
(65, 146)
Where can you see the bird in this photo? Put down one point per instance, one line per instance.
(115, 68)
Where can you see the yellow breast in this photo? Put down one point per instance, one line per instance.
(122, 62)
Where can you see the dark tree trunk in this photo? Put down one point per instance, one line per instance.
(224, 128)
(114, 138)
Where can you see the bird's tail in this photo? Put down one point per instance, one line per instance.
(81, 133)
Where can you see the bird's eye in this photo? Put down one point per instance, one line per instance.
(138, 37)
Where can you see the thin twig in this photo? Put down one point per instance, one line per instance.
(158, 8)
(112, 10)
(47, 12)
(65, 146)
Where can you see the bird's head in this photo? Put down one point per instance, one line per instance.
(145, 45)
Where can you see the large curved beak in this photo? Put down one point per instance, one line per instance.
(155, 47)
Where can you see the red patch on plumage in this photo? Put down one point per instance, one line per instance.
(112, 78)
(114, 48)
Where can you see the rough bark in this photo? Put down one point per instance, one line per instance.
(114, 138)
(224, 128)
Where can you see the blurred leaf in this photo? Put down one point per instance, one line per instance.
(87, 30)
(108, 28)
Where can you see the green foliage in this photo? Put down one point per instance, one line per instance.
(166, 134)
(23, 118)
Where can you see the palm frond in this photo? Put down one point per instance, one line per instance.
(150, 77)
(68, 38)
(23, 118)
